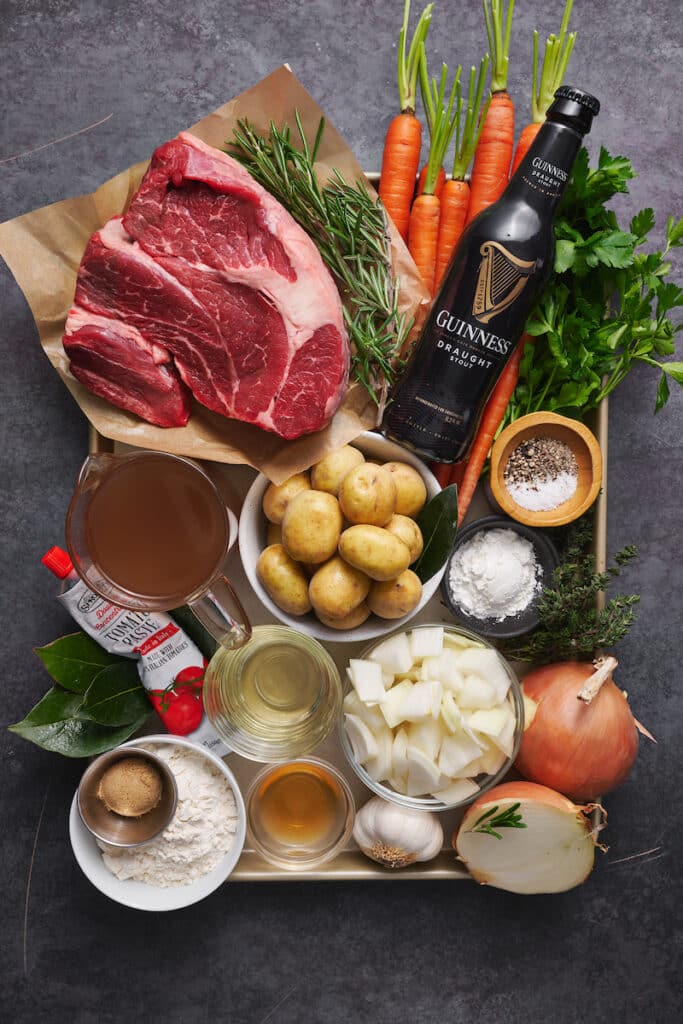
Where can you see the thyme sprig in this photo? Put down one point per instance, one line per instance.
(490, 821)
(570, 626)
(349, 228)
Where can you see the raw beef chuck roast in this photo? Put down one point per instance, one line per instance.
(208, 287)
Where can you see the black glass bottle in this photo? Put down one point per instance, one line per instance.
(496, 274)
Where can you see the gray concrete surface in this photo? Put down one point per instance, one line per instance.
(323, 953)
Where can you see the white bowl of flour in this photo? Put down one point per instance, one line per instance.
(193, 856)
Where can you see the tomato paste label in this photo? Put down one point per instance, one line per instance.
(170, 665)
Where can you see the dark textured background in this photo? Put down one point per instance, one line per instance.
(294, 953)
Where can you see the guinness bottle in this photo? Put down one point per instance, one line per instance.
(496, 274)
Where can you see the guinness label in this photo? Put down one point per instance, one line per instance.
(502, 278)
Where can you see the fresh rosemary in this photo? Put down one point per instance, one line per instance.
(491, 820)
(348, 225)
(571, 626)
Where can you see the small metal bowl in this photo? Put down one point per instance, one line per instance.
(527, 619)
(115, 829)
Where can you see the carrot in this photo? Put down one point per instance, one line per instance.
(442, 472)
(423, 230)
(401, 156)
(455, 197)
(494, 149)
(526, 138)
(486, 432)
(440, 181)
(558, 50)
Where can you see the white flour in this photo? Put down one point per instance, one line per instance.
(202, 830)
(494, 575)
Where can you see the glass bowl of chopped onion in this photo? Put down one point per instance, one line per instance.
(432, 717)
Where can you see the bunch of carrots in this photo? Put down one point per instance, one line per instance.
(432, 215)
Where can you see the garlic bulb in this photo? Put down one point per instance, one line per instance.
(397, 836)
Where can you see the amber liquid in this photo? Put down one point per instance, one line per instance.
(156, 528)
(300, 805)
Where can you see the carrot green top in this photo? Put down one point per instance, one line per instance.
(499, 41)
(408, 62)
(558, 50)
(442, 117)
(475, 114)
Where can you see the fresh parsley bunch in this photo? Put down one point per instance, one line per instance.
(607, 304)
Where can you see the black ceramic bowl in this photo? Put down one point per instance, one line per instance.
(524, 621)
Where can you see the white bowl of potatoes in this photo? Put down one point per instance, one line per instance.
(314, 550)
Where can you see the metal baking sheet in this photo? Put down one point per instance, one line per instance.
(233, 482)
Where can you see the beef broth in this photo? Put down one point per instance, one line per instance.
(156, 528)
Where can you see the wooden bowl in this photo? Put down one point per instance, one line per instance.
(586, 451)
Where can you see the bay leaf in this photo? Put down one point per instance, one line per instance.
(74, 660)
(438, 522)
(55, 724)
(116, 696)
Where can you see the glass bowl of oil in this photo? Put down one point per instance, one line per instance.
(275, 698)
(299, 814)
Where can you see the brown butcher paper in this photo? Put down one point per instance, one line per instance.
(43, 249)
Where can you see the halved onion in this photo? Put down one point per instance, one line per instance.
(551, 849)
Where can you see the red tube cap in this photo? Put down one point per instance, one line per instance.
(57, 561)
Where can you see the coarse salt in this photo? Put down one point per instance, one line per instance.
(200, 834)
(544, 495)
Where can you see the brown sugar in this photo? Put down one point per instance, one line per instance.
(131, 787)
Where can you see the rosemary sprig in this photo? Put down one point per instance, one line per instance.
(490, 820)
(349, 227)
(570, 626)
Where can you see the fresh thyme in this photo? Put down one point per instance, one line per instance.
(490, 820)
(348, 225)
(570, 626)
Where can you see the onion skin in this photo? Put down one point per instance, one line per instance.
(515, 791)
(582, 750)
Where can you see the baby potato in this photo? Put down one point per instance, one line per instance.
(327, 474)
(278, 496)
(274, 534)
(409, 532)
(376, 552)
(367, 495)
(284, 580)
(411, 493)
(355, 618)
(337, 589)
(311, 526)
(394, 599)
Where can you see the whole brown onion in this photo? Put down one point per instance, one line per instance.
(581, 738)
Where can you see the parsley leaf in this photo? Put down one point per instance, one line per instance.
(608, 304)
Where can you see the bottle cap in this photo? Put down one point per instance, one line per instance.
(575, 108)
(57, 561)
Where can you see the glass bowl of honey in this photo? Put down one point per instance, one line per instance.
(275, 698)
(299, 814)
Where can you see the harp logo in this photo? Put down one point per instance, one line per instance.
(501, 280)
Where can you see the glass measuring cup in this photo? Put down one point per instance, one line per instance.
(149, 531)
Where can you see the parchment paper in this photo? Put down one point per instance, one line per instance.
(43, 249)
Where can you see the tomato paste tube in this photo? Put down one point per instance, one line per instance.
(170, 664)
